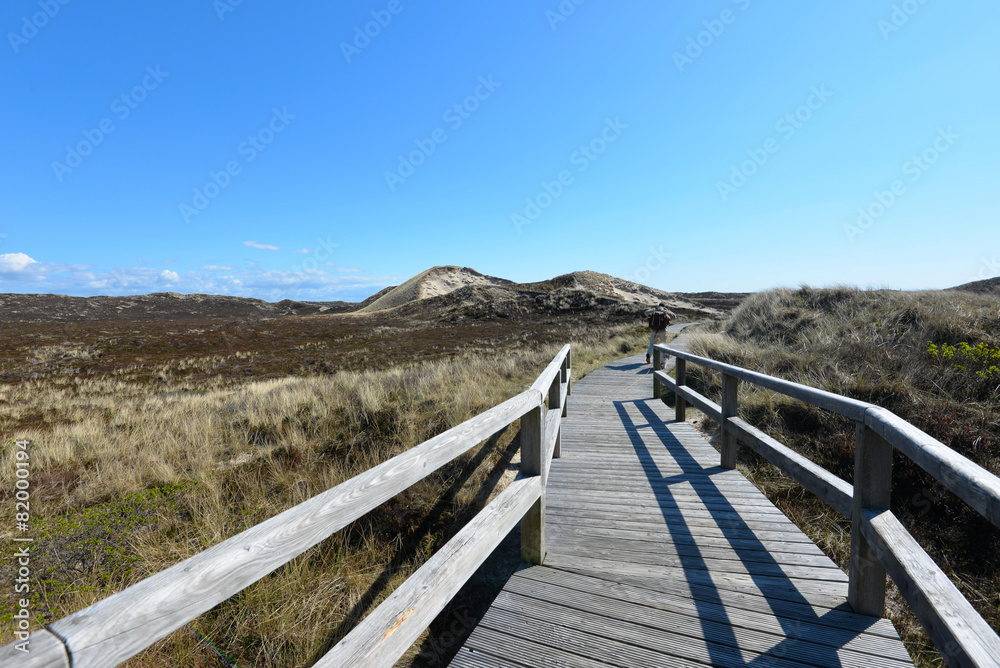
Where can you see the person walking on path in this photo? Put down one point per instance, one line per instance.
(659, 318)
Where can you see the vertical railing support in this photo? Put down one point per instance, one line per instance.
(555, 404)
(872, 489)
(680, 406)
(533, 462)
(657, 385)
(730, 389)
(569, 374)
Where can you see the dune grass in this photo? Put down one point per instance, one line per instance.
(142, 465)
(888, 348)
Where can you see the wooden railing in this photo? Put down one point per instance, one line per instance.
(879, 542)
(122, 625)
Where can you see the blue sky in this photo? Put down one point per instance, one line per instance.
(326, 150)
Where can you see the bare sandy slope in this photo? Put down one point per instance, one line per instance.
(434, 282)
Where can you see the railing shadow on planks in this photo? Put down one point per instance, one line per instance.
(879, 542)
(122, 625)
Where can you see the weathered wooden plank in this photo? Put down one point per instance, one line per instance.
(112, 630)
(664, 538)
(872, 489)
(41, 650)
(614, 618)
(794, 589)
(554, 369)
(680, 403)
(963, 637)
(752, 611)
(384, 635)
(534, 463)
(971, 482)
(851, 408)
(828, 487)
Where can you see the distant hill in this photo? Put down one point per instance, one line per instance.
(988, 286)
(446, 293)
(434, 282)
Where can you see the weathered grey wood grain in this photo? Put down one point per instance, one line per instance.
(963, 637)
(44, 651)
(828, 487)
(836, 403)
(730, 390)
(553, 370)
(971, 482)
(872, 489)
(109, 631)
(394, 625)
(680, 403)
(534, 463)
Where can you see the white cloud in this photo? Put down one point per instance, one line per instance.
(21, 267)
(255, 244)
(21, 273)
(304, 250)
(15, 262)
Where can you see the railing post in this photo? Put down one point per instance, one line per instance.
(555, 404)
(564, 378)
(730, 388)
(872, 489)
(569, 373)
(680, 406)
(657, 386)
(533, 462)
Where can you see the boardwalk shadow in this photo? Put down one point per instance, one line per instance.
(798, 620)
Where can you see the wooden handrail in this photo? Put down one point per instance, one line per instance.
(879, 543)
(122, 625)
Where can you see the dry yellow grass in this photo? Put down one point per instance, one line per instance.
(130, 477)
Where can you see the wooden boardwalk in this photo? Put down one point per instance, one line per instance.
(658, 557)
